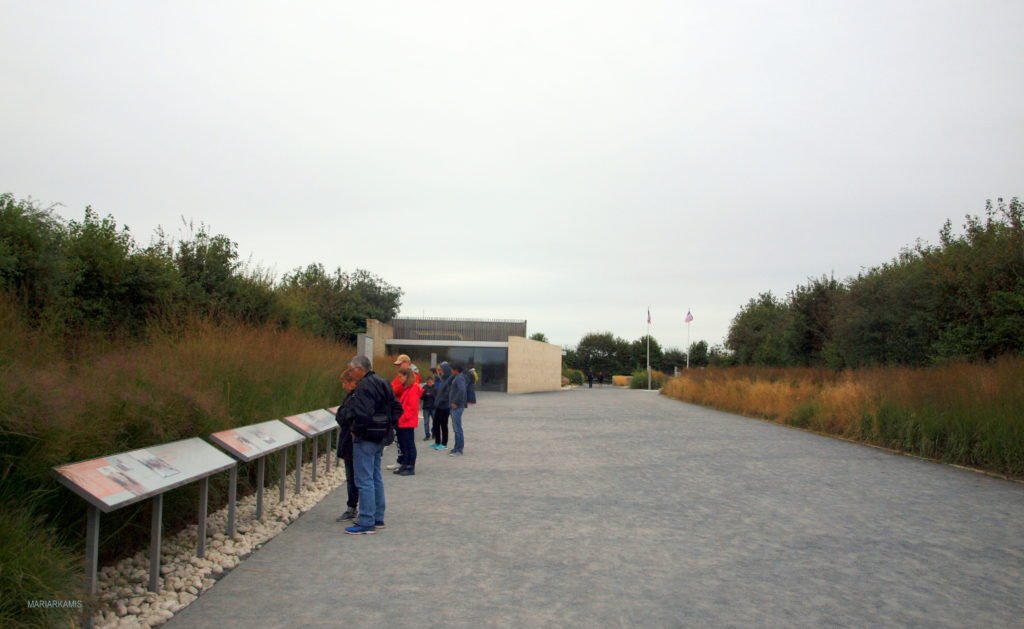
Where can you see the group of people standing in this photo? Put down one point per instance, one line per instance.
(375, 414)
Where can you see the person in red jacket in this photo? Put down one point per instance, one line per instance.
(408, 391)
(404, 364)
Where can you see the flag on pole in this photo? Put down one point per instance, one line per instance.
(648, 316)
(689, 317)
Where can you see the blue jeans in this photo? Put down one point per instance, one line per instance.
(428, 414)
(366, 461)
(460, 439)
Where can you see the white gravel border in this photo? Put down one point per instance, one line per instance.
(121, 588)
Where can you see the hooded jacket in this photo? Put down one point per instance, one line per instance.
(443, 386)
(458, 396)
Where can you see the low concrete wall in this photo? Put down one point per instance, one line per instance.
(533, 366)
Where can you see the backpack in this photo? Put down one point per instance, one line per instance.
(384, 423)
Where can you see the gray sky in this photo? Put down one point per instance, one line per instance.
(570, 163)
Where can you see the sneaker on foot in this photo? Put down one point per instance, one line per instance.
(393, 466)
(379, 524)
(350, 514)
(455, 453)
(359, 529)
(409, 471)
(398, 470)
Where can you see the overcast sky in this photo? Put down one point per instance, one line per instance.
(568, 163)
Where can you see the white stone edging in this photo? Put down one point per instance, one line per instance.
(122, 587)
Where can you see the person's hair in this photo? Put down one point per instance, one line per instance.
(361, 362)
(408, 378)
(348, 376)
(459, 367)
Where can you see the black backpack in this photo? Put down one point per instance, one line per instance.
(384, 423)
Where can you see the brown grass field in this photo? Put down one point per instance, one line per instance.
(969, 414)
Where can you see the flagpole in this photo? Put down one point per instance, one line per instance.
(688, 339)
(648, 348)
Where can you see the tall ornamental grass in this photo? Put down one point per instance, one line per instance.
(964, 413)
(110, 396)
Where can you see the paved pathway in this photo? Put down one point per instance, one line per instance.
(612, 508)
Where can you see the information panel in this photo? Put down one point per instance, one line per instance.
(118, 480)
(313, 423)
(251, 442)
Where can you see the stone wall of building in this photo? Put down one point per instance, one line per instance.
(533, 366)
(379, 332)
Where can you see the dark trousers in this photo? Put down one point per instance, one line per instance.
(407, 446)
(350, 480)
(428, 416)
(441, 426)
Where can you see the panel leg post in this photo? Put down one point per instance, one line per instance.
(154, 543)
(284, 475)
(261, 469)
(204, 498)
(298, 467)
(92, 555)
(232, 499)
(316, 453)
(330, 450)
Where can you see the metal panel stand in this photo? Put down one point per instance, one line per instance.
(284, 476)
(330, 450)
(204, 496)
(232, 498)
(154, 543)
(261, 469)
(92, 554)
(316, 455)
(298, 468)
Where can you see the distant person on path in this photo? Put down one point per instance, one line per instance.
(590, 379)
(459, 400)
(428, 406)
(442, 406)
(600, 379)
(409, 394)
(471, 379)
(348, 382)
(373, 411)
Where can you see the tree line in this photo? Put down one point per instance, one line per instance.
(610, 354)
(88, 275)
(960, 299)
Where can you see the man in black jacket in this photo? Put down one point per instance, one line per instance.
(374, 412)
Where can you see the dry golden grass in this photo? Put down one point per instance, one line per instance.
(966, 413)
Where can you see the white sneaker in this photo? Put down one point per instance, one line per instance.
(393, 466)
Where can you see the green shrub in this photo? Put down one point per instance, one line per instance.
(575, 376)
(639, 379)
(803, 414)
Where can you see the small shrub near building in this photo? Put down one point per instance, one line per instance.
(639, 379)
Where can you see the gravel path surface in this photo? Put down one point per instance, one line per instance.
(606, 507)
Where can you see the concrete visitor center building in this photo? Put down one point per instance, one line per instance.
(504, 358)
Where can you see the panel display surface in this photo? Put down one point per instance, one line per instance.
(114, 481)
(312, 423)
(251, 442)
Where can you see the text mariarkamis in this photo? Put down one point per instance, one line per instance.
(52, 604)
